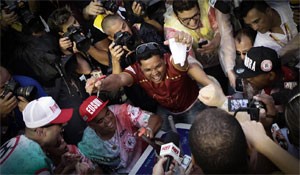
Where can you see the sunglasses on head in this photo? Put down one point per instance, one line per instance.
(151, 46)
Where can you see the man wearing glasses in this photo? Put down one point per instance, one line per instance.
(207, 26)
(172, 85)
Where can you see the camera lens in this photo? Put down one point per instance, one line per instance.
(28, 92)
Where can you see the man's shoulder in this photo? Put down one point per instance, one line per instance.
(20, 149)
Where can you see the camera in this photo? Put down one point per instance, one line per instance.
(126, 39)
(242, 104)
(20, 7)
(110, 5)
(75, 34)
(28, 92)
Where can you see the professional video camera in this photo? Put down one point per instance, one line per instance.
(75, 34)
(242, 104)
(20, 7)
(28, 92)
(110, 5)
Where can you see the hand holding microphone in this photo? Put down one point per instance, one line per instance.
(170, 149)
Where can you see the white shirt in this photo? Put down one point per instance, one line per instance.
(287, 25)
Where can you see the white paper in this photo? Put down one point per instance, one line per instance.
(178, 51)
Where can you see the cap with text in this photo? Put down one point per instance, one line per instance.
(258, 60)
(44, 111)
(91, 107)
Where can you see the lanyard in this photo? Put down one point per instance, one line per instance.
(288, 34)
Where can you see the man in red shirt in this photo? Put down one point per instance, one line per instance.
(173, 86)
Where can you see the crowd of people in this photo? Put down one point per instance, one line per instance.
(84, 83)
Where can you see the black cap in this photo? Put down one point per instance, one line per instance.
(258, 60)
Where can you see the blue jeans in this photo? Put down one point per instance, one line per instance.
(186, 117)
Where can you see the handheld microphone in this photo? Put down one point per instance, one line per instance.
(170, 149)
(221, 5)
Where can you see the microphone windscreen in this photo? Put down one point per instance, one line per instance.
(173, 137)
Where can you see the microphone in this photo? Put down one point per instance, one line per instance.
(170, 149)
(221, 5)
(151, 142)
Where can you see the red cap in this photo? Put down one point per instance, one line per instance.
(91, 107)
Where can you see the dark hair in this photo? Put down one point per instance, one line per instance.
(184, 5)
(292, 119)
(35, 25)
(246, 31)
(59, 17)
(247, 5)
(218, 143)
(148, 53)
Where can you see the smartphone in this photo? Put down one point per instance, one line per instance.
(201, 43)
(238, 85)
(278, 136)
(236, 103)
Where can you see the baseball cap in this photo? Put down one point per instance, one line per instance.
(43, 111)
(258, 60)
(91, 107)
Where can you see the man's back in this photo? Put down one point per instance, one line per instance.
(21, 155)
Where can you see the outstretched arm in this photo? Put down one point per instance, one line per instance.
(197, 73)
(256, 136)
(111, 83)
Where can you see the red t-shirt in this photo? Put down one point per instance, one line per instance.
(176, 92)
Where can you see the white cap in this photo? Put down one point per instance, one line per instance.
(43, 111)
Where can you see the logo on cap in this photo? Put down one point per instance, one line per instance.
(240, 70)
(93, 106)
(54, 107)
(249, 63)
(266, 65)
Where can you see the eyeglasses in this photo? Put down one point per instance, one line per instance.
(141, 48)
(239, 53)
(186, 21)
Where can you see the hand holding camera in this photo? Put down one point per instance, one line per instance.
(269, 103)
(7, 104)
(137, 8)
(8, 18)
(76, 35)
(116, 51)
(65, 44)
(94, 8)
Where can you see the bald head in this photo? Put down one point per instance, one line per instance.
(108, 22)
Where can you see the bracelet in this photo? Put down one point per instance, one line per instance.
(148, 128)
